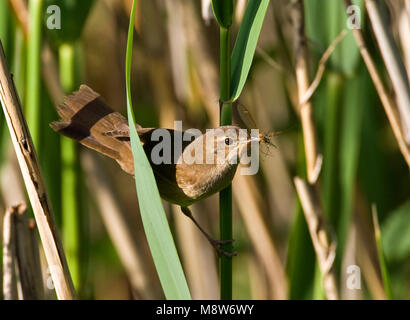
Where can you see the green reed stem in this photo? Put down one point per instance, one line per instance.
(381, 256)
(70, 177)
(5, 25)
(225, 196)
(33, 69)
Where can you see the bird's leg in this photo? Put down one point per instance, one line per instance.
(215, 243)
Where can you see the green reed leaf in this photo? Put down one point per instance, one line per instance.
(245, 44)
(156, 226)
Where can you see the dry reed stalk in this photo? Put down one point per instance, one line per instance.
(313, 159)
(35, 252)
(404, 27)
(322, 66)
(349, 259)
(9, 254)
(380, 254)
(28, 263)
(202, 61)
(257, 279)
(393, 63)
(323, 242)
(33, 179)
(320, 69)
(116, 223)
(366, 249)
(178, 50)
(371, 276)
(388, 105)
(265, 249)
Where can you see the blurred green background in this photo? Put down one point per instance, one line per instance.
(175, 76)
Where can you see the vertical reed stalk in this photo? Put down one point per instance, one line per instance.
(305, 107)
(321, 235)
(9, 255)
(389, 107)
(30, 276)
(69, 181)
(393, 62)
(225, 196)
(380, 254)
(33, 69)
(30, 168)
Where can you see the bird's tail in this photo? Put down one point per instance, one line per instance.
(85, 117)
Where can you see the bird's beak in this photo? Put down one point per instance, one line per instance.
(243, 146)
(259, 138)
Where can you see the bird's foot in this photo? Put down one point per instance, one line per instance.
(218, 246)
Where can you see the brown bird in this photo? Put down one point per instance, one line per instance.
(89, 120)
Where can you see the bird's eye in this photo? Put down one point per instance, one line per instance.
(228, 141)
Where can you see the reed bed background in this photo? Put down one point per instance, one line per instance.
(332, 195)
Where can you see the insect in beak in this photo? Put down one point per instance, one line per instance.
(268, 141)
